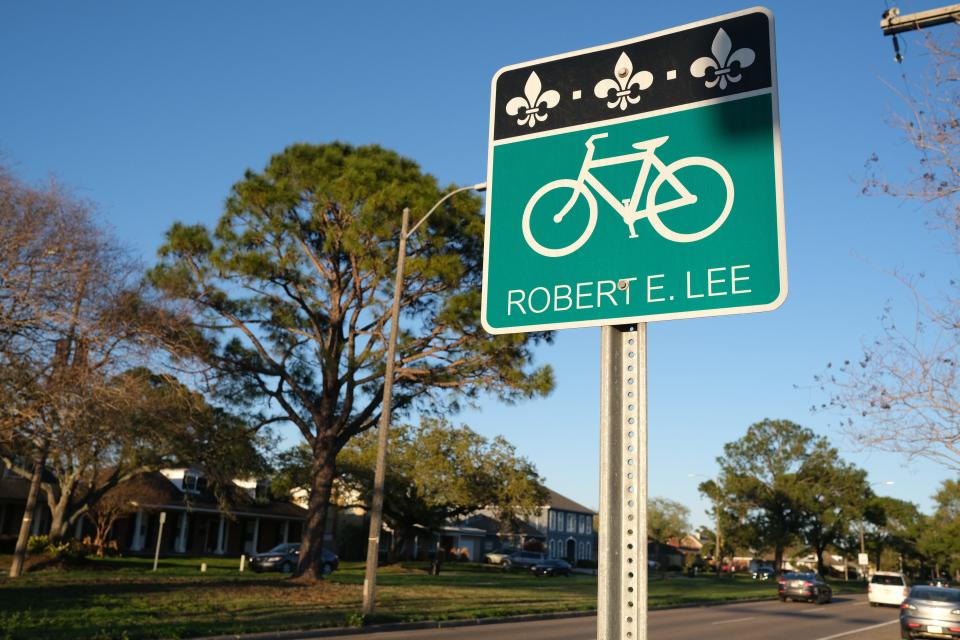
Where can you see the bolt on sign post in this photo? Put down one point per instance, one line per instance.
(635, 181)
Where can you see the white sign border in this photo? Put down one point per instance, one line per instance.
(778, 170)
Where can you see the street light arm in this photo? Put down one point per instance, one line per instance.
(482, 186)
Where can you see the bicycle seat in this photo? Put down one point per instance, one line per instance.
(651, 144)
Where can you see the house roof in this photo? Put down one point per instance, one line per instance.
(238, 501)
(562, 502)
(491, 525)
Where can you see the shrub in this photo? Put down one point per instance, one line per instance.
(37, 544)
(66, 551)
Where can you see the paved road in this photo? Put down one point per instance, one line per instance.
(846, 618)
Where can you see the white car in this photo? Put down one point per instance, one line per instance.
(887, 587)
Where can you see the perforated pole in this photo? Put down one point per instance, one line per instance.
(622, 597)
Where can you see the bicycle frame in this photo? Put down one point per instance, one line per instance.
(628, 207)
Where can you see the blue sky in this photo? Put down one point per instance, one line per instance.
(153, 110)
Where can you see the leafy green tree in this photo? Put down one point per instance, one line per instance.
(892, 525)
(764, 480)
(291, 293)
(939, 541)
(833, 498)
(436, 473)
(667, 519)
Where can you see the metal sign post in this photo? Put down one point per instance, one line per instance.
(622, 599)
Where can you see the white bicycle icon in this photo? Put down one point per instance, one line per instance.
(628, 207)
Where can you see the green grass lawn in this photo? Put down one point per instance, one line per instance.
(122, 598)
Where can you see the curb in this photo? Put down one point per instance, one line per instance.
(397, 626)
(307, 634)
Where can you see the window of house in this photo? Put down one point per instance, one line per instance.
(190, 482)
(572, 522)
(580, 553)
(553, 519)
(589, 555)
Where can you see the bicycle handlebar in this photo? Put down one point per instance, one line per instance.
(596, 136)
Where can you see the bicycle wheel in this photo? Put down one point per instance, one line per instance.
(671, 170)
(578, 190)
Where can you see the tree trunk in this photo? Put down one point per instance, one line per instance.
(20, 552)
(777, 559)
(311, 546)
(59, 522)
(820, 567)
(102, 527)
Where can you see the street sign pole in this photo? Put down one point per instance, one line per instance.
(622, 598)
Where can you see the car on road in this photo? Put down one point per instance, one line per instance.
(498, 556)
(521, 560)
(887, 587)
(552, 567)
(285, 557)
(763, 573)
(930, 612)
(804, 586)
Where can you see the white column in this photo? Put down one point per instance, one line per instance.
(256, 535)
(286, 531)
(78, 529)
(181, 544)
(137, 543)
(37, 517)
(220, 537)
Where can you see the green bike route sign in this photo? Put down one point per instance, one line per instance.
(637, 181)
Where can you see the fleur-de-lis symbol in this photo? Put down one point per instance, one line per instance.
(725, 66)
(626, 87)
(532, 106)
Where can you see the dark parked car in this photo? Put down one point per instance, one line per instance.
(284, 558)
(552, 567)
(521, 560)
(930, 612)
(804, 586)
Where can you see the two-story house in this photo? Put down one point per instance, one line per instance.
(561, 528)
